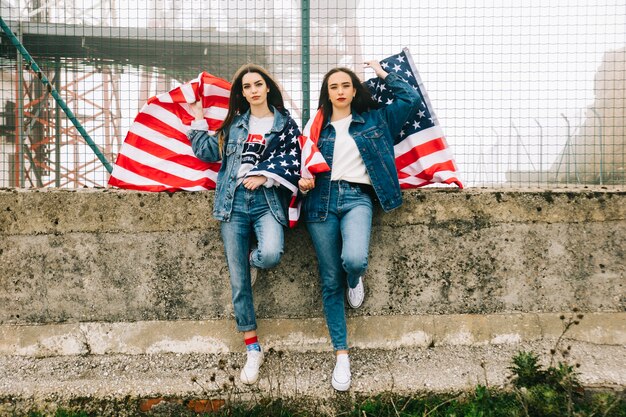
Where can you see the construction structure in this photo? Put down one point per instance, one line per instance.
(107, 57)
(85, 64)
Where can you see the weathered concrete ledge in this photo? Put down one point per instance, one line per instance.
(308, 335)
(120, 256)
(109, 293)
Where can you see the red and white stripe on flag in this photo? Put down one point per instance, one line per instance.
(156, 154)
(424, 158)
(312, 160)
(421, 152)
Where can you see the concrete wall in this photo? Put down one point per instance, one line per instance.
(456, 279)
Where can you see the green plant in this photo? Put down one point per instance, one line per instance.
(556, 390)
(526, 370)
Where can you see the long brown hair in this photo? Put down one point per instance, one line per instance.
(361, 102)
(237, 103)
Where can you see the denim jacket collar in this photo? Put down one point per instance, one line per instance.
(243, 120)
(356, 118)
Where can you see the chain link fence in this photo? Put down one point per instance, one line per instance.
(530, 95)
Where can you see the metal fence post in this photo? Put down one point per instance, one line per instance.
(57, 126)
(306, 59)
(19, 140)
(599, 119)
(540, 151)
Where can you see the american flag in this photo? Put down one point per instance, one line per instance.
(281, 162)
(421, 152)
(281, 159)
(157, 156)
(312, 160)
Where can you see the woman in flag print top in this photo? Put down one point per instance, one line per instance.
(257, 144)
(356, 140)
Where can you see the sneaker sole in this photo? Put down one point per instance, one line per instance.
(353, 305)
(340, 386)
(244, 378)
(247, 381)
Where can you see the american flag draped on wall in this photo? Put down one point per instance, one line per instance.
(422, 154)
(157, 156)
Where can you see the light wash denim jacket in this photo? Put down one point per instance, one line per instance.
(374, 134)
(205, 147)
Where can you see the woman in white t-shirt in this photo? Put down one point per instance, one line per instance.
(356, 139)
(257, 144)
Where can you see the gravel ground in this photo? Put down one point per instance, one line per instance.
(117, 384)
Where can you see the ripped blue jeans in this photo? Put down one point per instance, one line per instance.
(250, 213)
(342, 245)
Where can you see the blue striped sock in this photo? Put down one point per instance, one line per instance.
(252, 343)
(253, 346)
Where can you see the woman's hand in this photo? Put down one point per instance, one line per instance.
(196, 109)
(375, 65)
(254, 182)
(306, 184)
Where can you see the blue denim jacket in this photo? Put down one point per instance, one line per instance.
(374, 134)
(205, 147)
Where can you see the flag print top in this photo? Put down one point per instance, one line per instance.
(274, 154)
(255, 145)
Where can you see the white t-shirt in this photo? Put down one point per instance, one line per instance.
(347, 162)
(255, 144)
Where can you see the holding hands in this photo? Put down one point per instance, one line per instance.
(253, 182)
(306, 184)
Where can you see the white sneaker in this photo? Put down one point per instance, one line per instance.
(341, 374)
(250, 371)
(356, 295)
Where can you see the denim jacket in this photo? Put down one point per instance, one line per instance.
(205, 147)
(373, 132)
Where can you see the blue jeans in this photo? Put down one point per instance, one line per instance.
(342, 245)
(250, 213)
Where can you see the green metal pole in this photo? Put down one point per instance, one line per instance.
(19, 141)
(33, 65)
(306, 60)
(57, 130)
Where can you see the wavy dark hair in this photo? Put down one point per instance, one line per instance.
(237, 103)
(361, 102)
